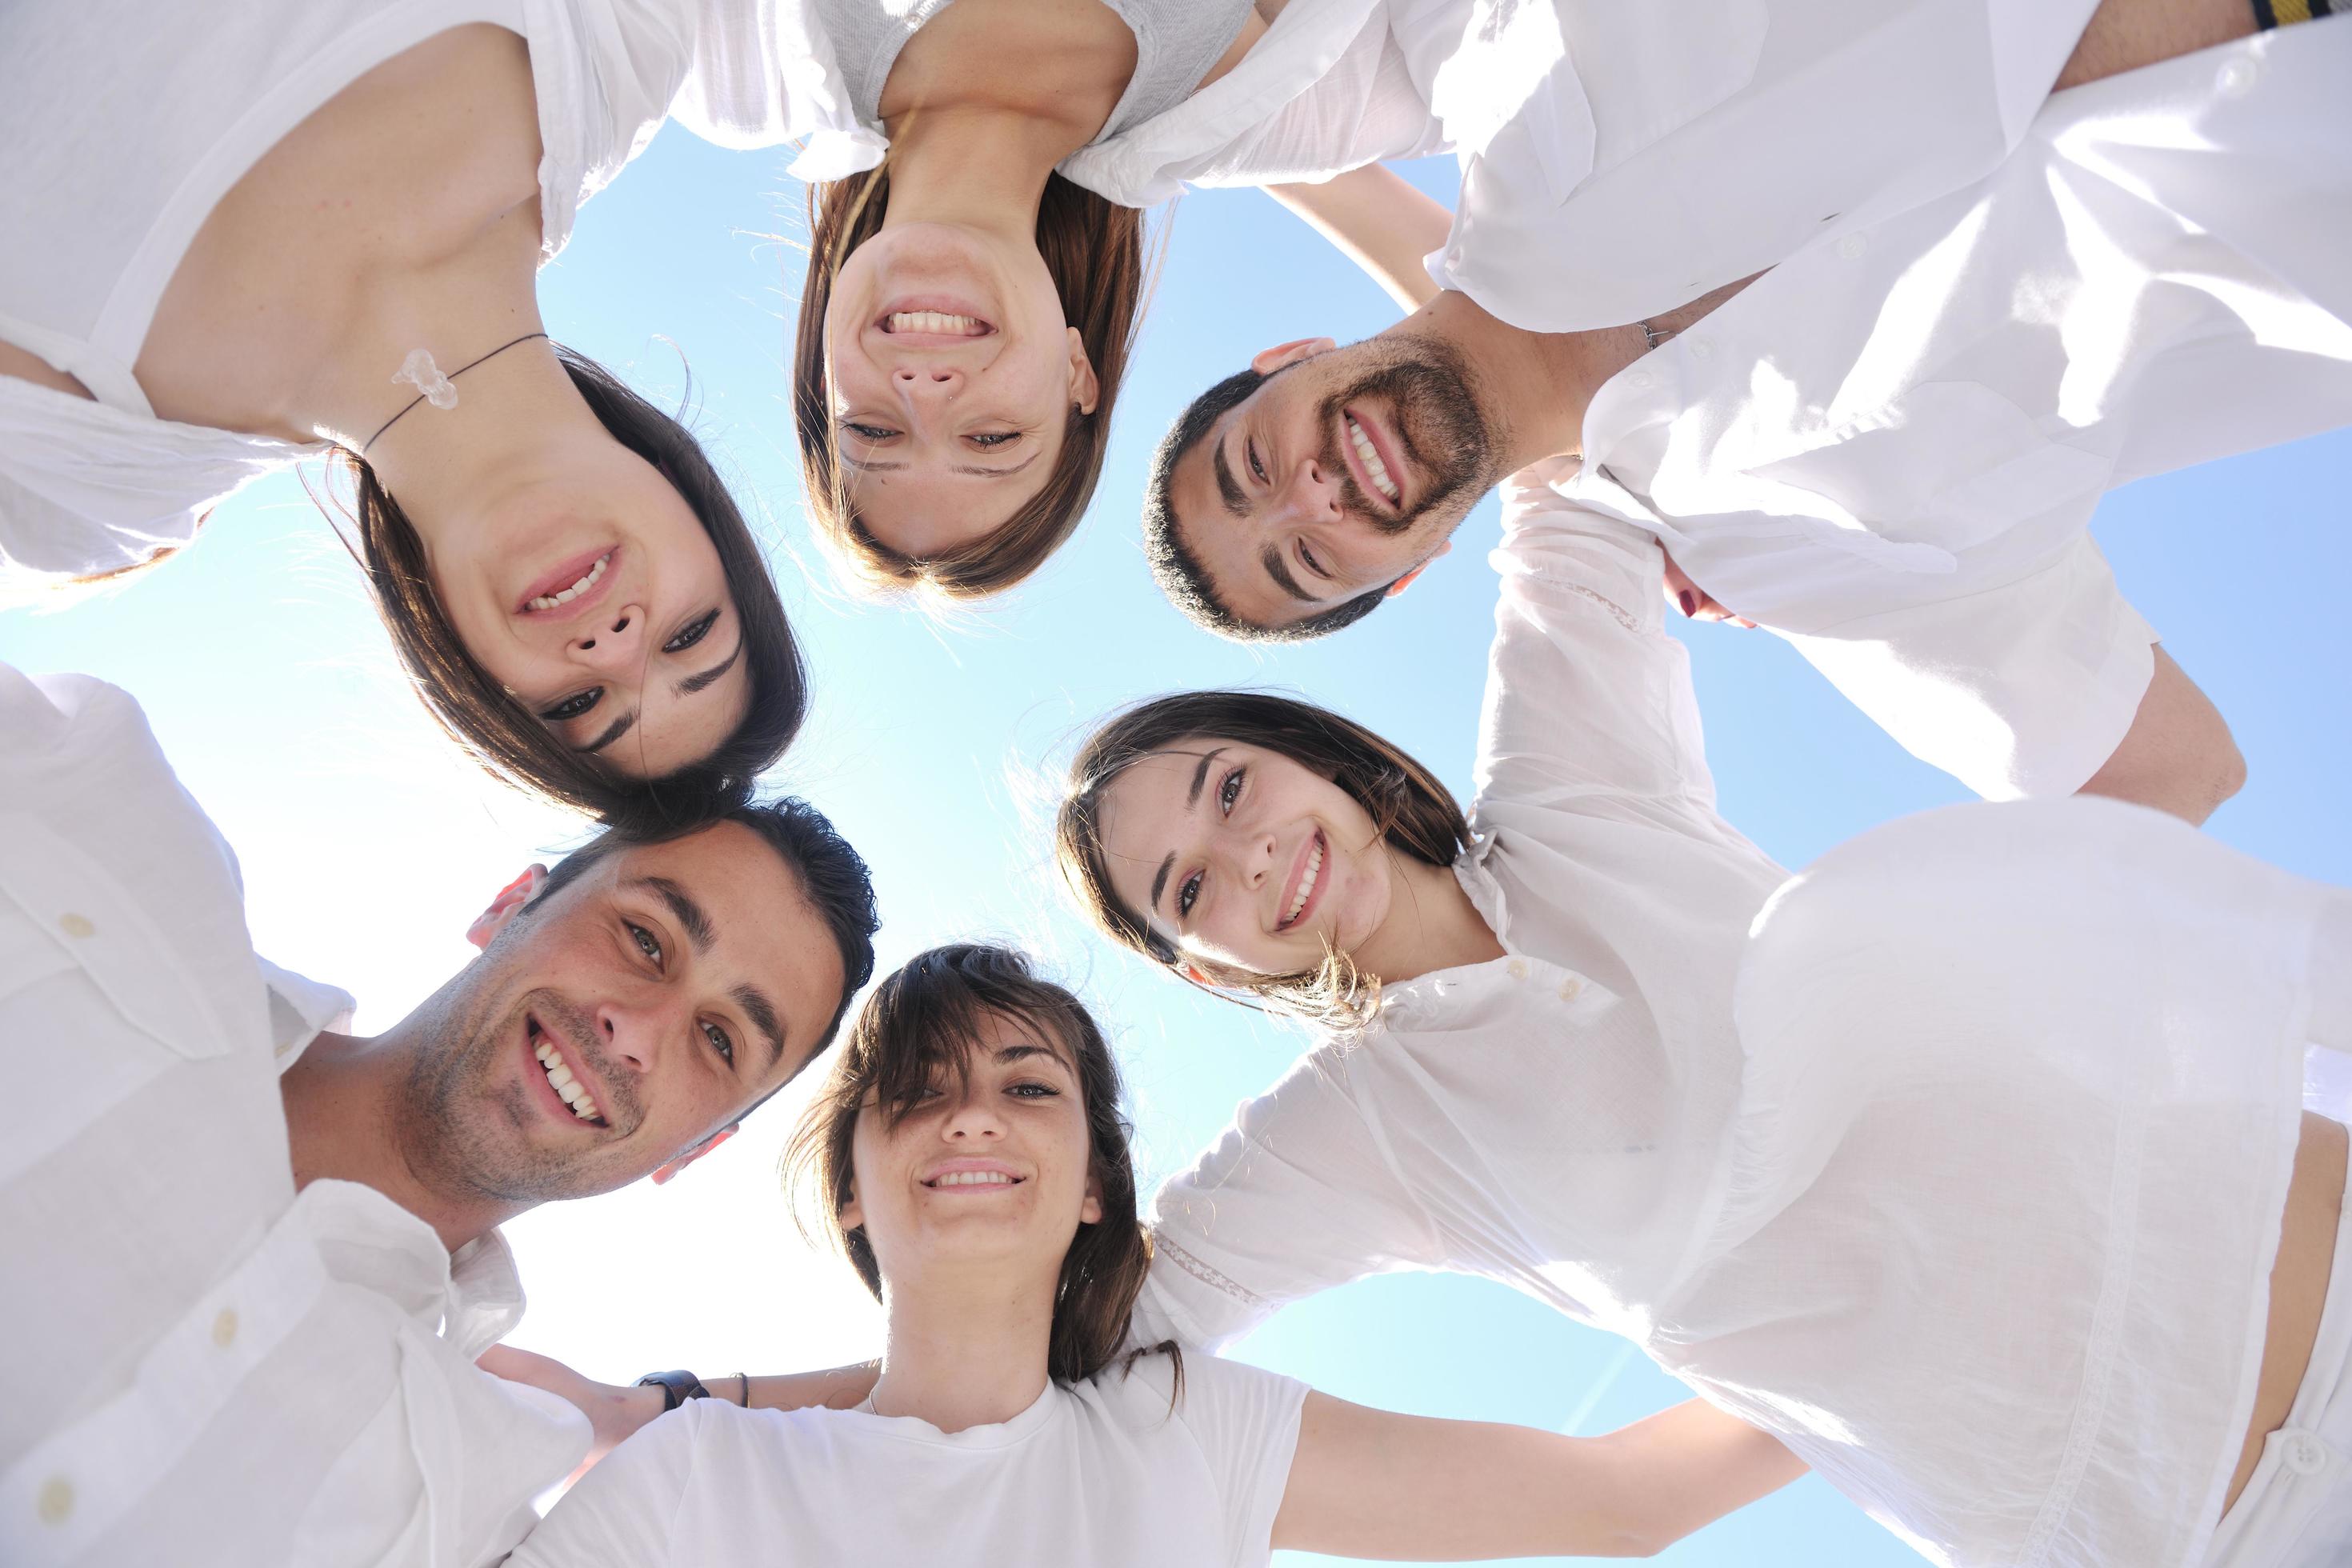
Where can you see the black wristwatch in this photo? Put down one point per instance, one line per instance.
(677, 1388)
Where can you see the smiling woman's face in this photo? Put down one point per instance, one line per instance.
(951, 375)
(599, 601)
(1247, 863)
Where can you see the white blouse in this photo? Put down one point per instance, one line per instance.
(1580, 1119)
(1889, 448)
(205, 1366)
(177, 103)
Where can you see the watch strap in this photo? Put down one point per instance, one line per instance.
(678, 1386)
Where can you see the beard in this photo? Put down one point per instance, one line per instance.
(1448, 443)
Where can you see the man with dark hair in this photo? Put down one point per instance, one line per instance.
(251, 1260)
(1887, 449)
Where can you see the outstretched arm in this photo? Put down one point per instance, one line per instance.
(1371, 1483)
(2178, 756)
(1380, 222)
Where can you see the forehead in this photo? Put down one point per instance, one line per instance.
(676, 729)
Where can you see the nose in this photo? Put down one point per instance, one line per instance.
(920, 384)
(1250, 858)
(1309, 493)
(973, 1119)
(636, 1024)
(612, 642)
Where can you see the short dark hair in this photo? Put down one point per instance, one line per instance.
(499, 730)
(1173, 565)
(831, 874)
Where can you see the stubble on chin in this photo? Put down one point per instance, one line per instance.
(465, 1134)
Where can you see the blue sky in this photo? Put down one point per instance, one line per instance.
(367, 846)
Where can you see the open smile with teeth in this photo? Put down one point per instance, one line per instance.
(974, 1179)
(568, 1089)
(549, 601)
(938, 322)
(1306, 888)
(1369, 456)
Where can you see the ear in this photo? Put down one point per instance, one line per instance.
(1401, 583)
(1086, 390)
(1090, 1210)
(1265, 362)
(669, 1172)
(506, 905)
(853, 1213)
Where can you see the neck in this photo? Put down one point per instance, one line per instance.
(977, 166)
(966, 1351)
(1431, 925)
(1533, 386)
(343, 1117)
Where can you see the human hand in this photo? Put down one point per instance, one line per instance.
(1694, 601)
(613, 1411)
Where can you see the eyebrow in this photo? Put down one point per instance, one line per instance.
(953, 469)
(1279, 569)
(689, 914)
(694, 683)
(1191, 801)
(620, 728)
(1231, 491)
(1010, 1053)
(762, 1013)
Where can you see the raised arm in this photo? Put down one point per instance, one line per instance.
(1372, 1483)
(2178, 755)
(1379, 221)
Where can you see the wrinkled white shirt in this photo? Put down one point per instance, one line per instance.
(170, 106)
(207, 1366)
(1889, 448)
(2003, 1285)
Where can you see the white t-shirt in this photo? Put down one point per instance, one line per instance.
(205, 1366)
(1102, 1474)
(1889, 448)
(1977, 1217)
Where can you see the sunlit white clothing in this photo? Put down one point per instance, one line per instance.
(1889, 448)
(170, 105)
(1106, 1472)
(1977, 1222)
(206, 1366)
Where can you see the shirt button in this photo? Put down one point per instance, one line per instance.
(1519, 968)
(2305, 1454)
(76, 925)
(1853, 246)
(2236, 79)
(1640, 380)
(1569, 988)
(55, 1505)
(1701, 349)
(225, 1327)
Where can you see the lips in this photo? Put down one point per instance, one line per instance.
(973, 1177)
(1372, 457)
(564, 1075)
(925, 320)
(1304, 888)
(573, 587)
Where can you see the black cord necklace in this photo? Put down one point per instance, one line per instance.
(451, 377)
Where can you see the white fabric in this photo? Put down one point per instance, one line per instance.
(2296, 1510)
(1091, 1476)
(206, 1367)
(1578, 1120)
(175, 104)
(1889, 449)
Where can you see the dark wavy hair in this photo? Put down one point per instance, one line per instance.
(1093, 250)
(499, 730)
(925, 1019)
(1416, 815)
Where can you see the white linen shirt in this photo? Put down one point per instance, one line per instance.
(176, 104)
(207, 1366)
(1889, 448)
(1578, 1119)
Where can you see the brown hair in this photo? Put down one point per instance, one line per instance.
(1092, 248)
(925, 1019)
(1416, 815)
(501, 733)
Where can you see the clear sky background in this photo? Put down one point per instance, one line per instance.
(367, 844)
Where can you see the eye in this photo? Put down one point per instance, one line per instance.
(1034, 1091)
(1187, 895)
(1230, 791)
(692, 634)
(868, 432)
(648, 943)
(574, 706)
(720, 1042)
(1249, 450)
(1307, 559)
(992, 440)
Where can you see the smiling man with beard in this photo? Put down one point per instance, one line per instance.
(250, 1260)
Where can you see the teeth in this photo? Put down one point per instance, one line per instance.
(1306, 883)
(934, 321)
(570, 1090)
(1372, 459)
(972, 1179)
(549, 600)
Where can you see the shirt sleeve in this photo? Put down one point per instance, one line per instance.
(1589, 703)
(619, 1514)
(1296, 1197)
(2022, 690)
(1245, 1420)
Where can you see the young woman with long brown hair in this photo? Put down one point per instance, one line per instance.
(1977, 1174)
(969, 1156)
(284, 232)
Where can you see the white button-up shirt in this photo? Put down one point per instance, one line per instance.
(1890, 447)
(207, 1366)
(1972, 1206)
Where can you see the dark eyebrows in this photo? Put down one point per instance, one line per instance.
(872, 467)
(1007, 1055)
(1279, 569)
(620, 728)
(694, 683)
(1191, 801)
(1230, 492)
(996, 473)
(689, 914)
(762, 1013)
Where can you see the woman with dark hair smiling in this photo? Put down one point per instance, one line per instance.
(969, 1155)
(300, 231)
